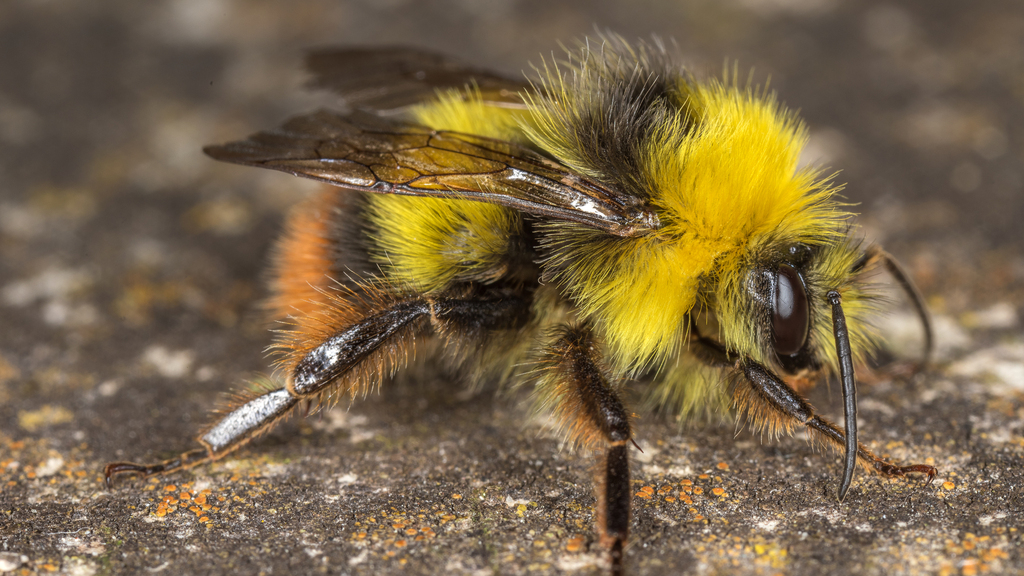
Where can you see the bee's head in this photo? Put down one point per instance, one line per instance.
(777, 312)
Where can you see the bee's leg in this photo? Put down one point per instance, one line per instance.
(590, 411)
(360, 350)
(773, 405)
(709, 350)
(256, 415)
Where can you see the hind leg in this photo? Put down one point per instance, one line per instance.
(350, 359)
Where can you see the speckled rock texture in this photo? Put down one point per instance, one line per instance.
(131, 276)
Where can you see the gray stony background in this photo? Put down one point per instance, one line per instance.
(130, 282)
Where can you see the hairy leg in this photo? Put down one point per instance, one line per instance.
(591, 414)
(773, 405)
(348, 357)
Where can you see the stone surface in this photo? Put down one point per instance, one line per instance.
(130, 282)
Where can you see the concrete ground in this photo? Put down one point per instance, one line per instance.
(131, 273)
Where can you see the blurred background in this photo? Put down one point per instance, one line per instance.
(131, 271)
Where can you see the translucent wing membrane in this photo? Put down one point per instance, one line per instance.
(392, 78)
(365, 152)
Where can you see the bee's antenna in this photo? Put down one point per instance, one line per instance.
(849, 382)
(901, 277)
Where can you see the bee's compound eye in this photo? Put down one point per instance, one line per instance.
(790, 314)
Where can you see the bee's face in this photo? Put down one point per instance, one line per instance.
(781, 303)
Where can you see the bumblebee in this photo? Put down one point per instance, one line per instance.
(612, 222)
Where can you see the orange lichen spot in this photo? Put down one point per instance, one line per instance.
(698, 490)
(184, 496)
(993, 554)
(221, 498)
(31, 475)
(411, 531)
(575, 544)
(196, 509)
(360, 535)
(400, 543)
(398, 525)
(50, 567)
(722, 466)
(456, 496)
(704, 476)
(698, 518)
(201, 499)
(204, 519)
(170, 488)
(686, 482)
(948, 485)
(645, 492)
(718, 491)
(665, 489)
(669, 499)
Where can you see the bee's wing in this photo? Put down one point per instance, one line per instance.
(386, 79)
(366, 152)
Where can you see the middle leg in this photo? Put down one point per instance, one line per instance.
(591, 414)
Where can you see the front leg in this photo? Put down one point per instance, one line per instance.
(773, 405)
(591, 414)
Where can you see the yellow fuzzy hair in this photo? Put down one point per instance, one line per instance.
(427, 243)
(725, 181)
(467, 112)
(722, 175)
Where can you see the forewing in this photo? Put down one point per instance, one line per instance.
(366, 152)
(386, 79)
